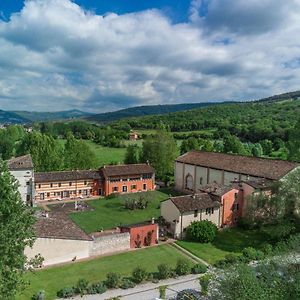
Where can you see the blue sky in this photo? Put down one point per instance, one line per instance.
(105, 55)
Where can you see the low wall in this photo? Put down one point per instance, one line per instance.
(110, 243)
(58, 251)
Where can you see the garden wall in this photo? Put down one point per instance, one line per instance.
(114, 242)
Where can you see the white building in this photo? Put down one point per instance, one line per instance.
(195, 169)
(22, 169)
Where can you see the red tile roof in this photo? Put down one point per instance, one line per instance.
(188, 203)
(127, 170)
(20, 163)
(273, 169)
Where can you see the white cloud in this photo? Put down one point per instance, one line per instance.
(54, 55)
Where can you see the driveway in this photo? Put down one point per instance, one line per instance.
(149, 291)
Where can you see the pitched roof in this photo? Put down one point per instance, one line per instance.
(21, 162)
(259, 183)
(126, 170)
(188, 203)
(67, 175)
(59, 226)
(260, 167)
(216, 189)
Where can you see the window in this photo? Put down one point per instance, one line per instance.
(70, 183)
(235, 196)
(189, 182)
(144, 186)
(48, 195)
(51, 184)
(147, 176)
(115, 189)
(85, 192)
(79, 191)
(196, 213)
(42, 196)
(124, 189)
(85, 182)
(201, 180)
(235, 207)
(27, 182)
(133, 186)
(39, 186)
(28, 198)
(59, 184)
(209, 211)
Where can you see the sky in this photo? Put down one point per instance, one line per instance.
(104, 55)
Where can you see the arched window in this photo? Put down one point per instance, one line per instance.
(189, 182)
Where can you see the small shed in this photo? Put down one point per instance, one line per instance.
(133, 136)
(142, 234)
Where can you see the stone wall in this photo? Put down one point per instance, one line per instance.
(110, 243)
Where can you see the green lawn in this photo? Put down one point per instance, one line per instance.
(110, 213)
(104, 155)
(53, 279)
(227, 241)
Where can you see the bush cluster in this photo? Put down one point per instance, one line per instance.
(201, 231)
(138, 275)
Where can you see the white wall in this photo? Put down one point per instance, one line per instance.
(24, 176)
(56, 251)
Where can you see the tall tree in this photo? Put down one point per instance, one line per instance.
(78, 155)
(132, 154)
(46, 152)
(16, 232)
(189, 144)
(294, 143)
(160, 151)
(7, 145)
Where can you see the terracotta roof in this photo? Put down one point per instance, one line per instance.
(59, 226)
(124, 170)
(21, 162)
(259, 183)
(141, 224)
(188, 203)
(67, 175)
(216, 189)
(260, 167)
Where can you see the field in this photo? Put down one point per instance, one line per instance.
(53, 279)
(110, 213)
(227, 241)
(105, 155)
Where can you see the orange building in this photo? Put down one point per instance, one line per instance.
(128, 178)
(87, 183)
(142, 234)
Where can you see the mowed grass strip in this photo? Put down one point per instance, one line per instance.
(110, 213)
(53, 279)
(227, 241)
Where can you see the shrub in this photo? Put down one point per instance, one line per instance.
(66, 292)
(126, 283)
(250, 253)
(164, 271)
(201, 231)
(40, 295)
(81, 287)
(204, 283)
(162, 291)
(97, 288)
(112, 280)
(199, 269)
(231, 259)
(182, 267)
(267, 249)
(139, 275)
(188, 294)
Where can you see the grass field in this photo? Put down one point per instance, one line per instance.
(53, 279)
(105, 155)
(227, 241)
(110, 213)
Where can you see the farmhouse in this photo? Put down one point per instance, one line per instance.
(22, 169)
(88, 183)
(195, 169)
(216, 203)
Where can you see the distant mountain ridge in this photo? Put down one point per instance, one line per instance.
(140, 111)
(20, 117)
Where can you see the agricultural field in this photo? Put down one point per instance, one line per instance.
(110, 213)
(53, 279)
(227, 241)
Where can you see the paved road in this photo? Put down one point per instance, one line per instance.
(149, 291)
